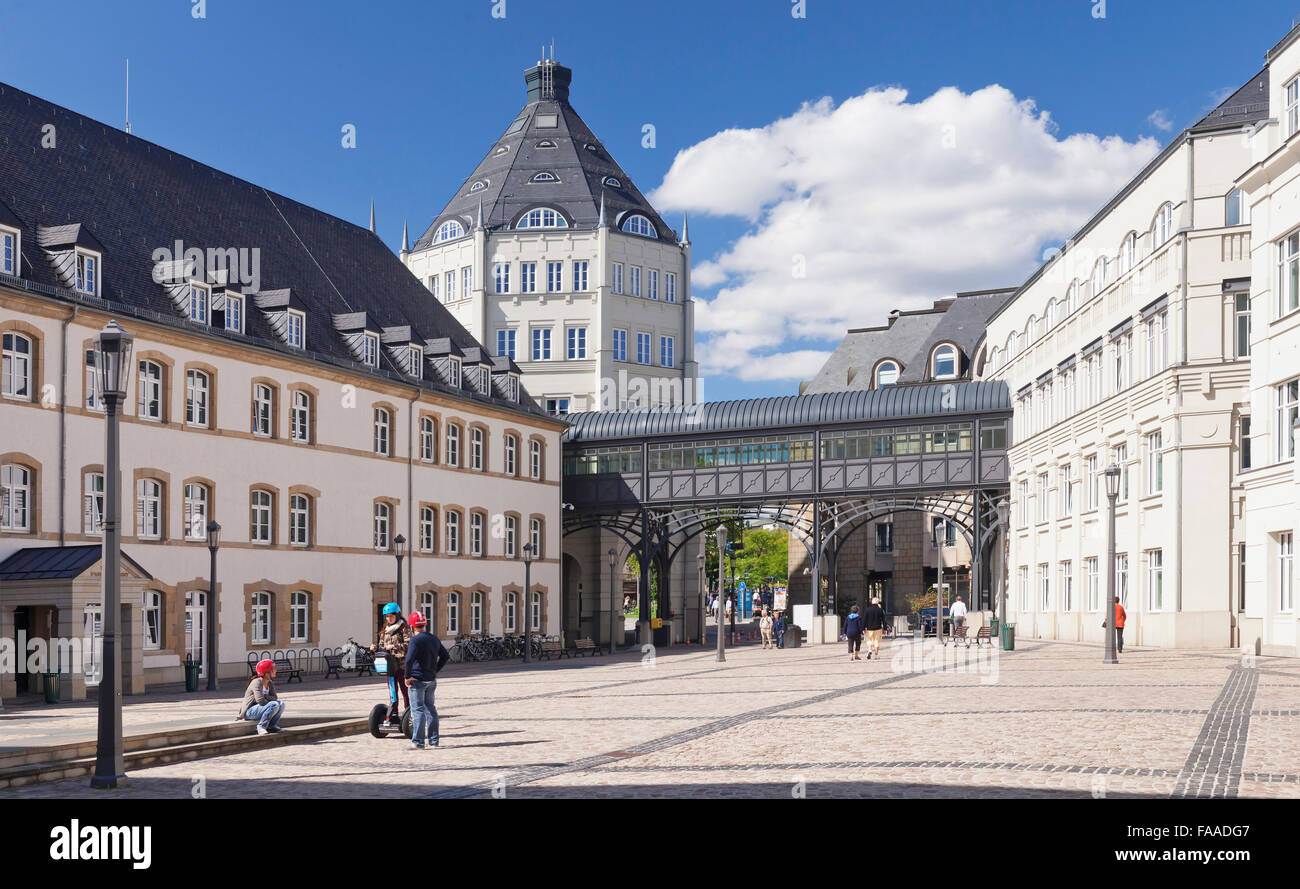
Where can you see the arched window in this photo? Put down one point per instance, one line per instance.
(383, 426)
(150, 395)
(1236, 211)
(1071, 298)
(637, 224)
(261, 517)
(544, 176)
(428, 440)
(995, 358)
(260, 629)
(453, 614)
(427, 605)
(1128, 252)
(148, 509)
(263, 409)
(511, 617)
(500, 150)
(612, 182)
(196, 398)
(479, 185)
(448, 231)
(535, 537)
(1031, 329)
(299, 605)
(945, 362)
(300, 417)
(453, 445)
(886, 374)
(1163, 227)
(535, 612)
(535, 459)
(382, 517)
(452, 535)
(15, 498)
(17, 374)
(299, 520)
(545, 143)
(542, 217)
(512, 455)
(511, 536)
(1100, 275)
(476, 612)
(151, 611)
(1049, 317)
(428, 529)
(476, 449)
(196, 511)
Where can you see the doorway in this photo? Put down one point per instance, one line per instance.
(196, 629)
(22, 625)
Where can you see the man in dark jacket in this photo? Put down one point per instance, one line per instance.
(778, 629)
(425, 656)
(853, 630)
(873, 618)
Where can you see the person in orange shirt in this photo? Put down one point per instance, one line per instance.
(1120, 614)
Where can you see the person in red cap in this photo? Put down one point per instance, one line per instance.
(425, 656)
(261, 702)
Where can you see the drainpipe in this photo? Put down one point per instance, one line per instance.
(63, 423)
(413, 535)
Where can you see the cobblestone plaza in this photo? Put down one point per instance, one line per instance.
(1047, 720)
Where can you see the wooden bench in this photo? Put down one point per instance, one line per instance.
(958, 635)
(982, 634)
(584, 647)
(285, 668)
(551, 647)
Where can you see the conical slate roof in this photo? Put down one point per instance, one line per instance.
(548, 137)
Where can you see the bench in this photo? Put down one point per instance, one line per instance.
(958, 635)
(285, 668)
(584, 647)
(551, 647)
(984, 633)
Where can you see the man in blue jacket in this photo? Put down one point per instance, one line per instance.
(425, 656)
(853, 627)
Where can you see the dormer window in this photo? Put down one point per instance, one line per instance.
(9, 251)
(87, 273)
(479, 185)
(544, 176)
(449, 230)
(545, 143)
(234, 313)
(886, 374)
(542, 217)
(370, 349)
(454, 371)
(295, 324)
(612, 182)
(500, 150)
(637, 224)
(416, 362)
(945, 362)
(200, 303)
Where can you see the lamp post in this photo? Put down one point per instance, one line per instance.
(613, 602)
(528, 583)
(112, 370)
(1003, 510)
(398, 542)
(1112, 494)
(721, 534)
(704, 590)
(210, 631)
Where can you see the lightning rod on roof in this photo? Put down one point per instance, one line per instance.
(128, 96)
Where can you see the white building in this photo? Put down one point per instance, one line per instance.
(550, 256)
(289, 380)
(1127, 347)
(1271, 178)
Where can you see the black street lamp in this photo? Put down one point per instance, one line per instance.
(398, 542)
(112, 371)
(210, 631)
(1111, 474)
(721, 535)
(613, 600)
(528, 578)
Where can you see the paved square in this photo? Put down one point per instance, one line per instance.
(1047, 720)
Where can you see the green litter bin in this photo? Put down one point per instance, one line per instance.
(192, 675)
(53, 687)
(1009, 637)
(993, 625)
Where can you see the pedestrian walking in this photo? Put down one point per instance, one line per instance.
(765, 627)
(731, 616)
(873, 618)
(853, 632)
(958, 612)
(1120, 615)
(778, 629)
(261, 702)
(425, 656)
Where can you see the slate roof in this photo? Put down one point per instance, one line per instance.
(579, 161)
(909, 339)
(1247, 105)
(774, 414)
(135, 197)
(55, 562)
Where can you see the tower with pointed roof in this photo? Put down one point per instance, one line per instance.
(550, 254)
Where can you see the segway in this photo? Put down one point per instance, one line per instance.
(383, 718)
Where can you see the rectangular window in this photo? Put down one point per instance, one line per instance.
(199, 301)
(1286, 572)
(1121, 578)
(1288, 274)
(577, 342)
(1243, 426)
(1121, 460)
(150, 382)
(476, 449)
(541, 344)
(234, 313)
(382, 431)
(554, 277)
(449, 286)
(620, 344)
(1024, 587)
(666, 344)
(1292, 98)
(87, 273)
(1022, 502)
(415, 361)
(293, 332)
(196, 512)
(148, 509)
(1044, 497)
(1155, 464)
(427, 520)
(506, 344)
(370, 349)
(557, 406)
(93, 504)
(1067, 586)
(885, 537)
(9, 252)
(1094, 584)
(1067, 490)
(512, 454)
(1288, 409)
(652, 283)
(476, 534)
(501, 277)
(580, 275)
(1241, 324)
(634, 280)
(670, 287)
(1155, 580)
(1091, 482)
(467, 282)
(510, 537)
(527, 277)
(434, 286)
(196, 398)
(643, 348)
(299, 520)
(617, 277)
(453, 533)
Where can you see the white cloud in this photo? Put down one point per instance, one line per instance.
(879, 203)
(1161, 120)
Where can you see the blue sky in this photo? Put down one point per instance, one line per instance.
(262, 89)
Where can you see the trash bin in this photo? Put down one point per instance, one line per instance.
(1009, 637)
(53, 686)
(659, 635)
(993, 625)
(192, 675)
(793, 636)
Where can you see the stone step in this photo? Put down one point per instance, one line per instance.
(220, 741)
